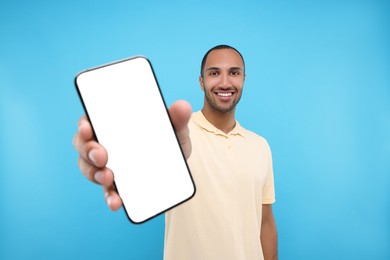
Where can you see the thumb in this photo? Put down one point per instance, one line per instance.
(180, 113)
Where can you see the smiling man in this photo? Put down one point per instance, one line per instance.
(230, 216)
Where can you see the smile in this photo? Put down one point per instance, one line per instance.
(224, 94)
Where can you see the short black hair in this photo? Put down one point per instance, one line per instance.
(218, 47)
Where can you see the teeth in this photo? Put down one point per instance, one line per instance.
(225, 94)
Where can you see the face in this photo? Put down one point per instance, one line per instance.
(223, 80)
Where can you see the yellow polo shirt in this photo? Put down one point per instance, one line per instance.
(233, 177)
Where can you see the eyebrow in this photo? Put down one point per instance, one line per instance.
(218, 68)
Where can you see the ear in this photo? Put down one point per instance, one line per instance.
(201, 83)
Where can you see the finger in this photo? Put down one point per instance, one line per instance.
(84, 133)
(91, 151)
(113, 200)
(102, 176)
(87, 146)
(85, 129)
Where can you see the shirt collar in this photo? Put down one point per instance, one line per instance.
(199, 119)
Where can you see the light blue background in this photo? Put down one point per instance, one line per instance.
(317, 87)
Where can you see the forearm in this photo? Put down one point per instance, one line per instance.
(269, 239)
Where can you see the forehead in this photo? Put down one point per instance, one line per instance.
(224, 58)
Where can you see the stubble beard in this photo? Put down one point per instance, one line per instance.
(216, 107)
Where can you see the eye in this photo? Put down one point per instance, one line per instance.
(234, 73)
(213, 73)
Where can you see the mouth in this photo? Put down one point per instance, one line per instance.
(224, 95)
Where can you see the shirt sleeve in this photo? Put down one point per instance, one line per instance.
(269, 187)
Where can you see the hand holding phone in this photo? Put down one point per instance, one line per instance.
(129, 117)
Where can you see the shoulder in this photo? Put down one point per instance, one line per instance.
(255, 139)
(253, 136)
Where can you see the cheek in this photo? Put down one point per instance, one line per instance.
(208, 86)
(240, 82)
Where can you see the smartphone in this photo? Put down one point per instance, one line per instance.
(129, 117)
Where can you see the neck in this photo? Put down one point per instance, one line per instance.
(224, 121)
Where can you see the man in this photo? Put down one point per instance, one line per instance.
(230, 216)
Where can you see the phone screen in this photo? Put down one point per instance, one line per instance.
(130, 119)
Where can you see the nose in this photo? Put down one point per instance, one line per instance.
(225, 80)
